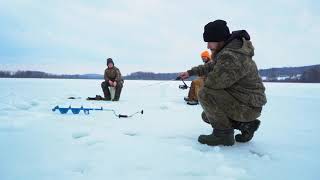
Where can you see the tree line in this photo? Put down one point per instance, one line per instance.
(36, 74)
(310, 74)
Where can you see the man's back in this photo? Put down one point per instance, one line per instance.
(237, 73)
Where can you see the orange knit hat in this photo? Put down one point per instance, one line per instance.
(206, 54)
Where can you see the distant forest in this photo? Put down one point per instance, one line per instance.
(39, 74)
(292, 74)
(309, 74)
(151, 76)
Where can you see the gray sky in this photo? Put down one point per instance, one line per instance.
(149, 35)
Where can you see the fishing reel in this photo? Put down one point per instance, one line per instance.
(184, 85)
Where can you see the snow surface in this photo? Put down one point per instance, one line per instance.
(38, 144)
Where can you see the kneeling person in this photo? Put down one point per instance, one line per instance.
(233, 94)
(113, 78)
(197, 84)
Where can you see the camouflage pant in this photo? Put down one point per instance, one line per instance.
(221, 108)
(105, 88)
(195, 87)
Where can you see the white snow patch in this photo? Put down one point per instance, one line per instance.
(38, 144)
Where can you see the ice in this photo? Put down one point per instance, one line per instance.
(39, 144)
(78, 135)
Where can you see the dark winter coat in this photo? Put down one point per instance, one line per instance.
(113, 74)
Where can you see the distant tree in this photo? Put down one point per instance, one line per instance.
(5, 74)
(273, 74)
(311, 75)
(151, 76)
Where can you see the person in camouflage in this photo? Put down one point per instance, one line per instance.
(113, 78)
(233, 94)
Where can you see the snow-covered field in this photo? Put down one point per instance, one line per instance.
(38, 144)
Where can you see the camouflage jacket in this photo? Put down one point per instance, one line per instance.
(234, 71)
(113, 74)
(205, 77)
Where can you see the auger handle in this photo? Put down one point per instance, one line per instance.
(122, 116)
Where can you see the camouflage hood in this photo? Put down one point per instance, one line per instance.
(239, 42)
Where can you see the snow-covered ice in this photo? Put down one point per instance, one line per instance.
(38, 144)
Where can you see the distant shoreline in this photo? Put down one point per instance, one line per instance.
(303, 74)
(293, 82)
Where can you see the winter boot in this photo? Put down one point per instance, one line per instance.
(194, 102)
(107, 98)
(117, 94)
(247, 130)
(106, 93)
(218, 137)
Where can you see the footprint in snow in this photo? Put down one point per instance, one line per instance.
(33, 104)
(131, 134)
(260, 154)
(164, 107)
(91, 143)
(79, 135)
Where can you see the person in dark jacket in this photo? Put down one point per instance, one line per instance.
(233, 94)
(113, 78)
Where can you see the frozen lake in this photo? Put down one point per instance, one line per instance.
(38, 144)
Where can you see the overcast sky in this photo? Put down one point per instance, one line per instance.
(149, 35)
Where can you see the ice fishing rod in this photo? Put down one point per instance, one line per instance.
(155, 84)
(184, 86)
(86, 111)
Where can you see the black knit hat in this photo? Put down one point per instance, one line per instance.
(216, 31)
(109, 60)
